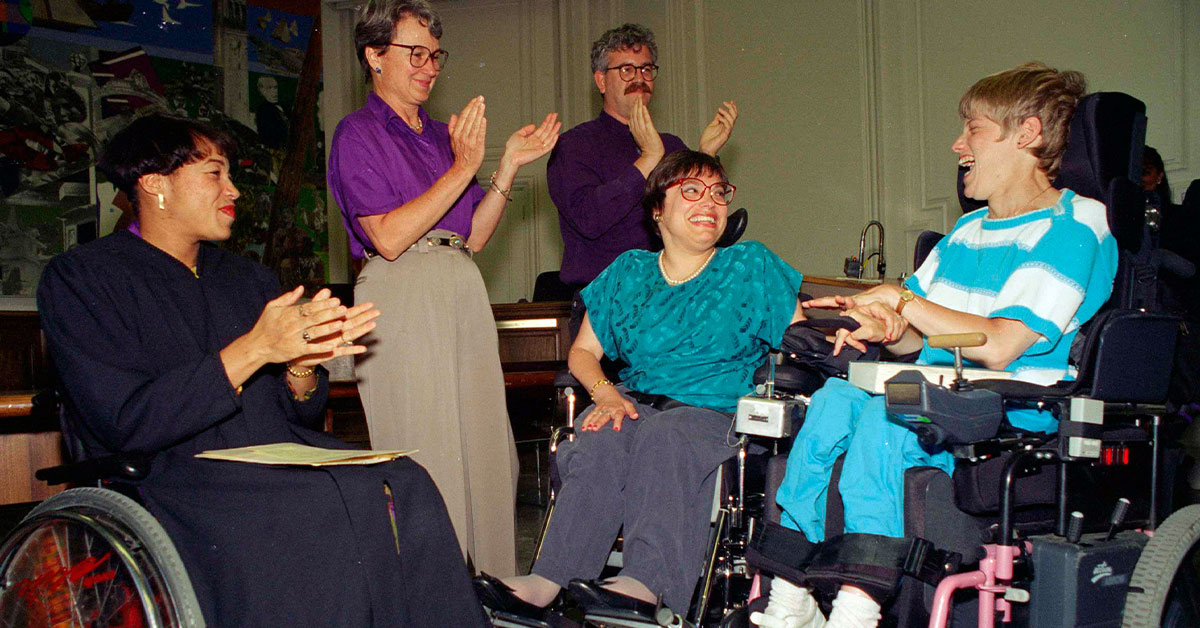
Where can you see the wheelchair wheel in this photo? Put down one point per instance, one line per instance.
(1165, 588)
(93, 557)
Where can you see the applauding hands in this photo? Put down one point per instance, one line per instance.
(299, 334)
(468, 138)
(714, 136)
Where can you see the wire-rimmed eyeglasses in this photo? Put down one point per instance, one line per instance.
(628, 71)
(693, 189)
(418, 56)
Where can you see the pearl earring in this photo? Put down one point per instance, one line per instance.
(161, 202)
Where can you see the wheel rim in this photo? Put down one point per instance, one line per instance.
(66, 574)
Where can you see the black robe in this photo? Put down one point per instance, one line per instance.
(135, 338)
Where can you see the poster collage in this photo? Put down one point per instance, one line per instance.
(74, 72)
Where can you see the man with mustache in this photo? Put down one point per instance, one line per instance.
(597, 172)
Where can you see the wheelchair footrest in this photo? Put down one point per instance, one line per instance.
(507, 620)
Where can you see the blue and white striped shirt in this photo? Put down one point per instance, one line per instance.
(1050, 269)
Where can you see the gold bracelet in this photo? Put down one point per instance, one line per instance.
(501, 192)
(300, 373)
(592, 392)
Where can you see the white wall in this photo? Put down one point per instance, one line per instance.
(848, 107)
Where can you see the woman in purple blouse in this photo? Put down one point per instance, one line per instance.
(407, 189)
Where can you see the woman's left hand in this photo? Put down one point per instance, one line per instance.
(355, 323)
(529, 142)
(718, 131)
(877, 324)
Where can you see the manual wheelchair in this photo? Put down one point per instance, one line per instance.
(93, 556)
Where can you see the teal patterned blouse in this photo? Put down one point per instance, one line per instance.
(698, 342)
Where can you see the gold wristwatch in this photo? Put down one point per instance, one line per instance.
(906, 295)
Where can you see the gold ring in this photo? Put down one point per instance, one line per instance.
(305, 335)
(303, 311)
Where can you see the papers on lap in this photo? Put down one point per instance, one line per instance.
(297, 454)
(870, 376)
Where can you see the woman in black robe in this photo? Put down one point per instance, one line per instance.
(168, 346)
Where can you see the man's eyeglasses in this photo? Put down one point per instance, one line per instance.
(418, 56)
(693, 189)
(629, 71)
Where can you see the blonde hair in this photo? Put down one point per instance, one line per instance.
(1030, 90)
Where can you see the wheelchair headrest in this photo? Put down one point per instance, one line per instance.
(735, 226)
(1103, 160)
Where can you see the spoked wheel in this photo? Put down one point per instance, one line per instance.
(1165, 588)
(91, 557)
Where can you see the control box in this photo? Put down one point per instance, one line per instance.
(767, 416)
(1082, 584)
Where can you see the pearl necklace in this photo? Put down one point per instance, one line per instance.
(671, 282)
(419, 127)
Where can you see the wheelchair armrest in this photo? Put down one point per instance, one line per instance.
(120, 467)
(558, 434)
(564, 379)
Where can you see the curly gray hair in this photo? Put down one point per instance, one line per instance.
(626, 36)
(377, 21)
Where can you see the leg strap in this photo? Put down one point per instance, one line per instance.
(781, 551)
(876, 563)
(870, 562)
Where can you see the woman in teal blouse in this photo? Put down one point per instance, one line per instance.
(693, 322)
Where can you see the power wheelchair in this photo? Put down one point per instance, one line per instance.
(1003, 524)
(1006, 514)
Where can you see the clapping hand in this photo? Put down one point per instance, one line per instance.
(529, 142)
(644, 133)
(718, 131)
(313, 332)
(468, 135)
(336, 338)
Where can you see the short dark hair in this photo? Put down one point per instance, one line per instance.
(625, 36)
(377, 21)
(158, 144)
(677, 165)
(1032, 89)
(1150, 157)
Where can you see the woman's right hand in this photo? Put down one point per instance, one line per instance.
(468, 136)
(641, 125)
(281, 328)
(610, 406)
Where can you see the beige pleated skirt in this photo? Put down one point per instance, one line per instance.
(431, 380)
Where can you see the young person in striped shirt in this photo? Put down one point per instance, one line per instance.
(1027, 270)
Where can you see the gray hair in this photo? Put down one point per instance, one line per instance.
(377, 21)
(626, 36)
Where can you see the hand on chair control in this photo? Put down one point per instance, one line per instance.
(610, 406)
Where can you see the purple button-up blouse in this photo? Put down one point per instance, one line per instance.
(377, 164)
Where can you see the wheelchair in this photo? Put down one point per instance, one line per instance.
(1031, 523)
(93, 556)
(1034, 523)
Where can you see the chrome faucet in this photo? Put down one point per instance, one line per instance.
(880, 264)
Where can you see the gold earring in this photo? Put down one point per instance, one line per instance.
(161, 202)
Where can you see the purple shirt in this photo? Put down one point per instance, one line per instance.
(377, 164)
(598, 192)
